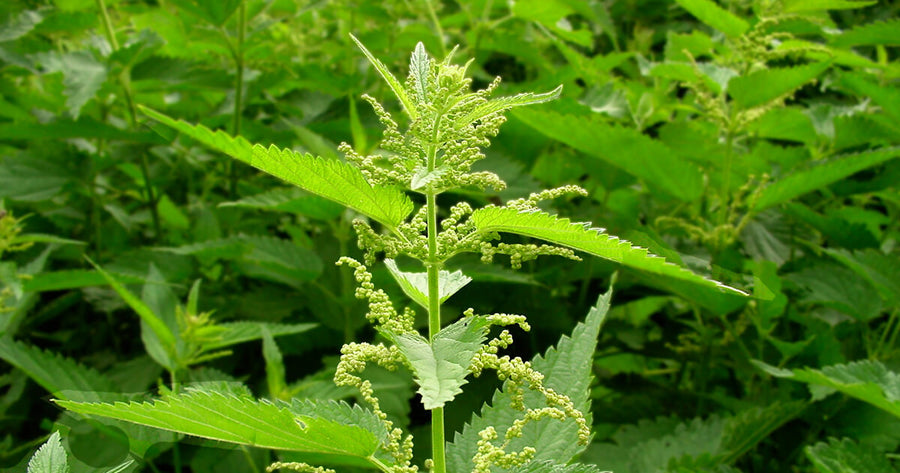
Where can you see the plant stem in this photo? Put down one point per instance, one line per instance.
(238, 94)
(433, 267)
(125, 81)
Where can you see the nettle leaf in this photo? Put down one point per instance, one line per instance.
(83, 75)
(820, 175)
(550, 467)
(332, 179)
(419, 67)
(50, 457)
(290, 199)
(415, 285)
(566, 369)
(422, 177)
(408, 105)
(240, 332)
(440, 367)
(888, 98)
(846, 456)
(502, 104)
(63, 377)
(332, 431)
(804, 6)
(763, 86)
(867, 380)
(872, 34)
(626, 148)
(881, 270)
(580, 237)
(715, 16)
(280, 260)
(19, 25)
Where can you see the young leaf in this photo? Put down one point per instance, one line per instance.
(577, 236)
(392, 81)
(331, 179)
(19, 25)
(763, 86)
(868, 380)
(50, 458)
(333, 432)
(637, 154)
(502, 104)
(415, 285)
(872, 34)
(715, 16)
(419, 68)
(441, 366)
(83, 75)
(845, 456)
(821, 175)
(566, 369)
(275, 374)
(63, 377)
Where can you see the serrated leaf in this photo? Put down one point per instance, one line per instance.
(415, 285)
(765, 85)
(502, 104)
(240, 332)
(440, 367)
(715, 16)
(83, 75)
(867, 380)
(422, 177)
(881, 270)
(804, 6)
(330, 430)
(280, 259)
(751, 426)
(419, 68)
(63, 377)
(566, 369)
(392, 81)
(821, 175)
(551, 467)
(290, 199)
(888, 98)
(626, 148)
(871, 34)
(580, 237)
(334, 180)
(846, 456)
(19, 25)
(50, 457)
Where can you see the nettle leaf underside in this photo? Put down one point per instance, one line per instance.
(441, 366)
(246, 421)
(332, 179)
(580, 237)
(567, 369)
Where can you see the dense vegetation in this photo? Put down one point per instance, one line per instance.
(751, 142)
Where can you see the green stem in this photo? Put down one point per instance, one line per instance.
(125, 81)
(433, 266)
(238, 94)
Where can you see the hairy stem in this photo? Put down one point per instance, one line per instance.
(125, 81)
(433, 266)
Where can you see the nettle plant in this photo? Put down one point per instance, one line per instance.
(539, 421)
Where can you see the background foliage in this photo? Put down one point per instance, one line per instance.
(753, 141)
